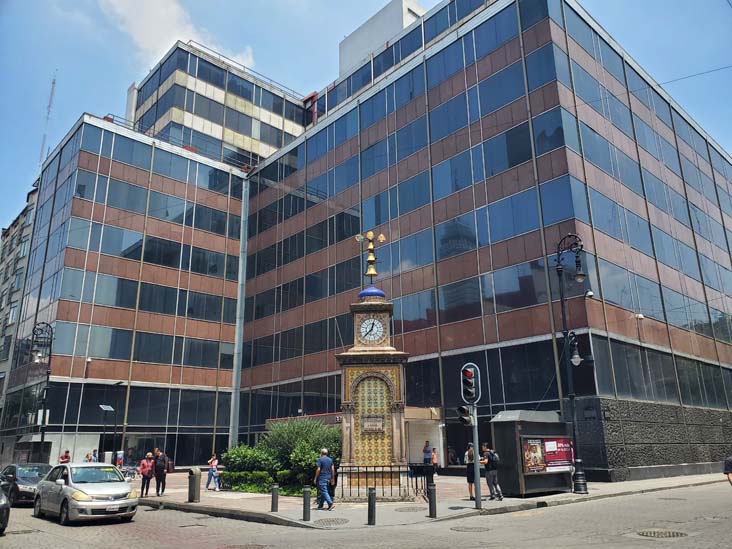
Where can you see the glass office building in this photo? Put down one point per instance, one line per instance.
(478, 138)
(133, 259)
(198, 99)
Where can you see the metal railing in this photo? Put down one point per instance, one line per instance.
(390, 481)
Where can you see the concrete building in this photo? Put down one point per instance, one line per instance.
(133, 259)
(475, 140)
(13, 262)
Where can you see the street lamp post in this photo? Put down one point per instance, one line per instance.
(571, 243)
(106, 408)
(43, 337)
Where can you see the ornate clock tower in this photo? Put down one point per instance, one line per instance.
(372, 386)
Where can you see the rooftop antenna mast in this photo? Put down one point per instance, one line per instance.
(48, 118)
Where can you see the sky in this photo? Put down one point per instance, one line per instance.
(99, 47)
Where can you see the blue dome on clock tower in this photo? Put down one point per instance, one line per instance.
(371, 291)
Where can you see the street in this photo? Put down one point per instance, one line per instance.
(701, 514)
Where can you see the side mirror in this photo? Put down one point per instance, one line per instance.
(60, 482)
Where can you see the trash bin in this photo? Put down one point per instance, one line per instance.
(194, 485)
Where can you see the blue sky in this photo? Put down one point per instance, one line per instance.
(100, 46)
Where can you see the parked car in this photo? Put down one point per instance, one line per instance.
(4, 512)
(19, 480)
(85, 491)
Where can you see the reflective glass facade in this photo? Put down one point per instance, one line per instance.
(134, 260)
(474, 160)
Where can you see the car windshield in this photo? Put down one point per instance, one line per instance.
(33, 472)
(85, 475)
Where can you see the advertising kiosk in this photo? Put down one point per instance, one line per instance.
(536, 452)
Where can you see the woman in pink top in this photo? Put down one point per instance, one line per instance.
(146, 470)
(213, 472)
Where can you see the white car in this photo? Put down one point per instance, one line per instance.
(85, 491)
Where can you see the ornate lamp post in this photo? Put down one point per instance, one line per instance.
(572, 243)
(43, 338)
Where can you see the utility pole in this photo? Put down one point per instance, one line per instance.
(48, 119)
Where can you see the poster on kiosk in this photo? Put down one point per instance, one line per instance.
(547, 455)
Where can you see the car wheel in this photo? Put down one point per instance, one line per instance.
(37, 512)
(13, 497)
(63, 516)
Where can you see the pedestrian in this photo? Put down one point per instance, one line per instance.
(427, 452)
(94, 456)
(87, 458)
(161, 471)
(213, 472)
(491, 461)
(65, 458)
(434, 461)
(470, 469)
(728, 468)
(146, 470)
(323, 479)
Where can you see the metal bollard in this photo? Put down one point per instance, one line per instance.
(275, 498)
(432, 494)
(194, 485)
(306, 504)
(372, 507)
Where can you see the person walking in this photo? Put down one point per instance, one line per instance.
(161, 471)
(146, 470)
(427, 452)
(87, 458)
(94, 456)
(323, 479)
(470, 469)
(65, 458)
(434, 461)
(491, 461)
(728, 468)
(213, 472)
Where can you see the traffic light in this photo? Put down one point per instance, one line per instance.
(466, 418)
(468, 375)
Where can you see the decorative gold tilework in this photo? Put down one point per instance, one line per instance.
(373, 397)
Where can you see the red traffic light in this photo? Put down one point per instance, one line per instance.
(468, 372)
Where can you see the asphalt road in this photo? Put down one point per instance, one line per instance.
(703, 514)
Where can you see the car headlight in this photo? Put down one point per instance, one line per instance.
(3, 499)
(132, 494)
(80, 496)
(26, 488)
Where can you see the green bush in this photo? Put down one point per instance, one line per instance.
(239, 478)
(302, 459)
(283, 436)
(246, 458)
(284, 477)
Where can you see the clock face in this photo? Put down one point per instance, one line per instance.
(371, 330)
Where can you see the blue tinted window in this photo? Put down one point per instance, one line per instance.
(452, 175)
(647, 138)
(649, 298)
(547, 64)
(513, 216)
(554, 129)
(375, 210)
(665, 247)
(373, 159)
(616, 286)
(415, 251)
(383, 61)
(443, 65)
(170, 165)
(317, 145)
(271, 102)
(417, 311)
(670, 156)
(619, 114)
(580, 31)
(121, 242)
(607, 215)
(211, 73)
(639, 233)
(612, 61)
(411, 138)
(346, 174)
(448, 117)
(562, 199)
(637, 86)
(91, 139)
(596, 149)
(239, 122)
(414, 193)
(126, 197)
(688, 261)
(501, 89)
(497, 30)
(587, 88)
(409, 86)
(533, 11)
(710, 272)
(460, 300)
(656, 191)
(520, 286)
(345, 127)
(436, 24)
(628, 172)
(507, 150)
(132, 152)
(409, 43)
(361, 78)
(373, 109)
(455, 236)
(661, 107)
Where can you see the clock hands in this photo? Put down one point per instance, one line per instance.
(373, 323)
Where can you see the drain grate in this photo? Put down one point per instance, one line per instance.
(662, 534)
(470, 529)
(331, 521)
(412, 509)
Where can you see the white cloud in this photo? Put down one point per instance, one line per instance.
(154, 26)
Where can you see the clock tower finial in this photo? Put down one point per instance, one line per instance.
(371, 272)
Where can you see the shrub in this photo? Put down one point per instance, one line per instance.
(238, 478)
(283, 436)
(284, 477)
(302, 459)
(245, 458)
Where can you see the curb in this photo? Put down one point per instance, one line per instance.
(236, 514)
(281, 520)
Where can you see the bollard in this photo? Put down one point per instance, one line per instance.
(306, 504)
(372, 506)
(194, 485)
(432, 494)
(275, 498)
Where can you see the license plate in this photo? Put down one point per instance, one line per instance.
(112, 508)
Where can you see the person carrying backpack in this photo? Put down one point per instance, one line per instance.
(491, 459)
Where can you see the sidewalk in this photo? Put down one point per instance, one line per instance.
(451, 496)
